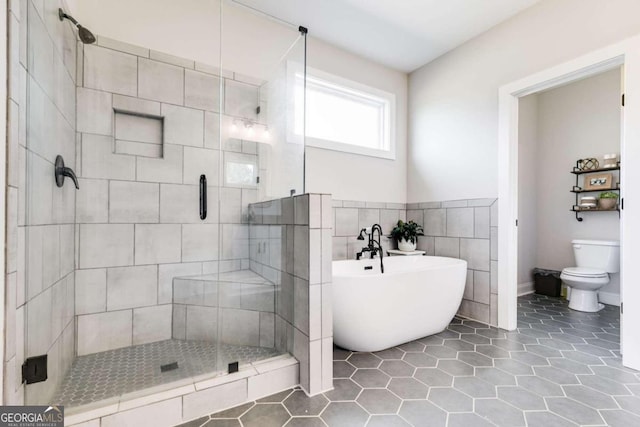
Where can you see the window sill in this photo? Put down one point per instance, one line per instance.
(350, 149)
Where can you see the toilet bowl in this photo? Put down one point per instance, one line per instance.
(595, 259)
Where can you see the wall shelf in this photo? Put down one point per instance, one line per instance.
(593, 191)
(577, 171)
(579, 190)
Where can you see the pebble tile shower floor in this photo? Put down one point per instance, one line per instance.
(111, 373)
(560, 368)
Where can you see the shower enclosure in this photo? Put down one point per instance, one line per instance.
(147, 273)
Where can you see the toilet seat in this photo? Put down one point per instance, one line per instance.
(591, 273)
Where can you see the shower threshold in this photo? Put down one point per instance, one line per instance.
(110, 374)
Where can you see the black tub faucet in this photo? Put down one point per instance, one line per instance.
(374, 247)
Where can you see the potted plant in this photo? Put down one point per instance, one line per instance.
(406, 234)
(608, 200)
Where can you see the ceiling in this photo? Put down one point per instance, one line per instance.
(402, 34)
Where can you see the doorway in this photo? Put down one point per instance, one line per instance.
(557, 128)
(625, 54)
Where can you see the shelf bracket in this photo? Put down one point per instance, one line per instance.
(578, 217)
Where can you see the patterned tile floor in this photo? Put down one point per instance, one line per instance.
(112, 373)
(560, 368)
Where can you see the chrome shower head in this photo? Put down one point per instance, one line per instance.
(85, 35)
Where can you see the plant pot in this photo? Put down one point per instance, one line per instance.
(406, 246)
(607, 204)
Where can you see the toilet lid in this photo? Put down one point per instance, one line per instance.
(584, 272)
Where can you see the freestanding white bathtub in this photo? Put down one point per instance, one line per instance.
(416, 296)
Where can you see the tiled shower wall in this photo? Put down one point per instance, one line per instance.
(40, 216)
(465, 229)
(138, 208)
(290, 245)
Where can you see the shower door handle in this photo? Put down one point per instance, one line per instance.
(203, 197)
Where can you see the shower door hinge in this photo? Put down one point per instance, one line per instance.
(303, 30)
(34, 369)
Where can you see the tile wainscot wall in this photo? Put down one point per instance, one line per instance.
(290, 245)
(465, 229)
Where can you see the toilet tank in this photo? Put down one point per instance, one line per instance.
(600, 254)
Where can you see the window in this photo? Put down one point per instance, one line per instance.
(240, 170)
(344, 115)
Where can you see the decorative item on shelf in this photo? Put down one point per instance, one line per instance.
(588, 202)
(406, 234)
(603, 181)
(608, 200)
(588, 164)
(610, 160)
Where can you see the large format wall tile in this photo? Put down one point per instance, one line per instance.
(91, 291)
(130, 287)
(152, 324)
(199, 161)
(202, 91)
(133, 202)
(92, 203)
(476, 252)
(460, 222)
(199, 242)
(106, 245)
(104, 331)
(183, 126)
(157, 243)
(98, 160)
(110, 70)
(95, 112)
(40, 244)
(241, 99)
(168, 169)
(160, 82)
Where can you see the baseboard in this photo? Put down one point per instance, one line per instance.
(609, 298)
(525, 288)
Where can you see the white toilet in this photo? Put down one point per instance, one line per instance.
(595, 260)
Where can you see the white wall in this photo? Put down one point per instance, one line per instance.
(254, 45)
(355, 177)
(528, 166)
(575, 121)
(453, 122)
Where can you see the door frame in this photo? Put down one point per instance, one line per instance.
(4, 38)
(627, 54)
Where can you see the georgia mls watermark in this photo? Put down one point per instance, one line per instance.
(31, 416)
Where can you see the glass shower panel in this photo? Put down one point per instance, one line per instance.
(261, 159)
(143, 152)
(118, 239)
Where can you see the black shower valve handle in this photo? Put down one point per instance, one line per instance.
(62, 171)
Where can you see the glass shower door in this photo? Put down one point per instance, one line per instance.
(261, 159)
